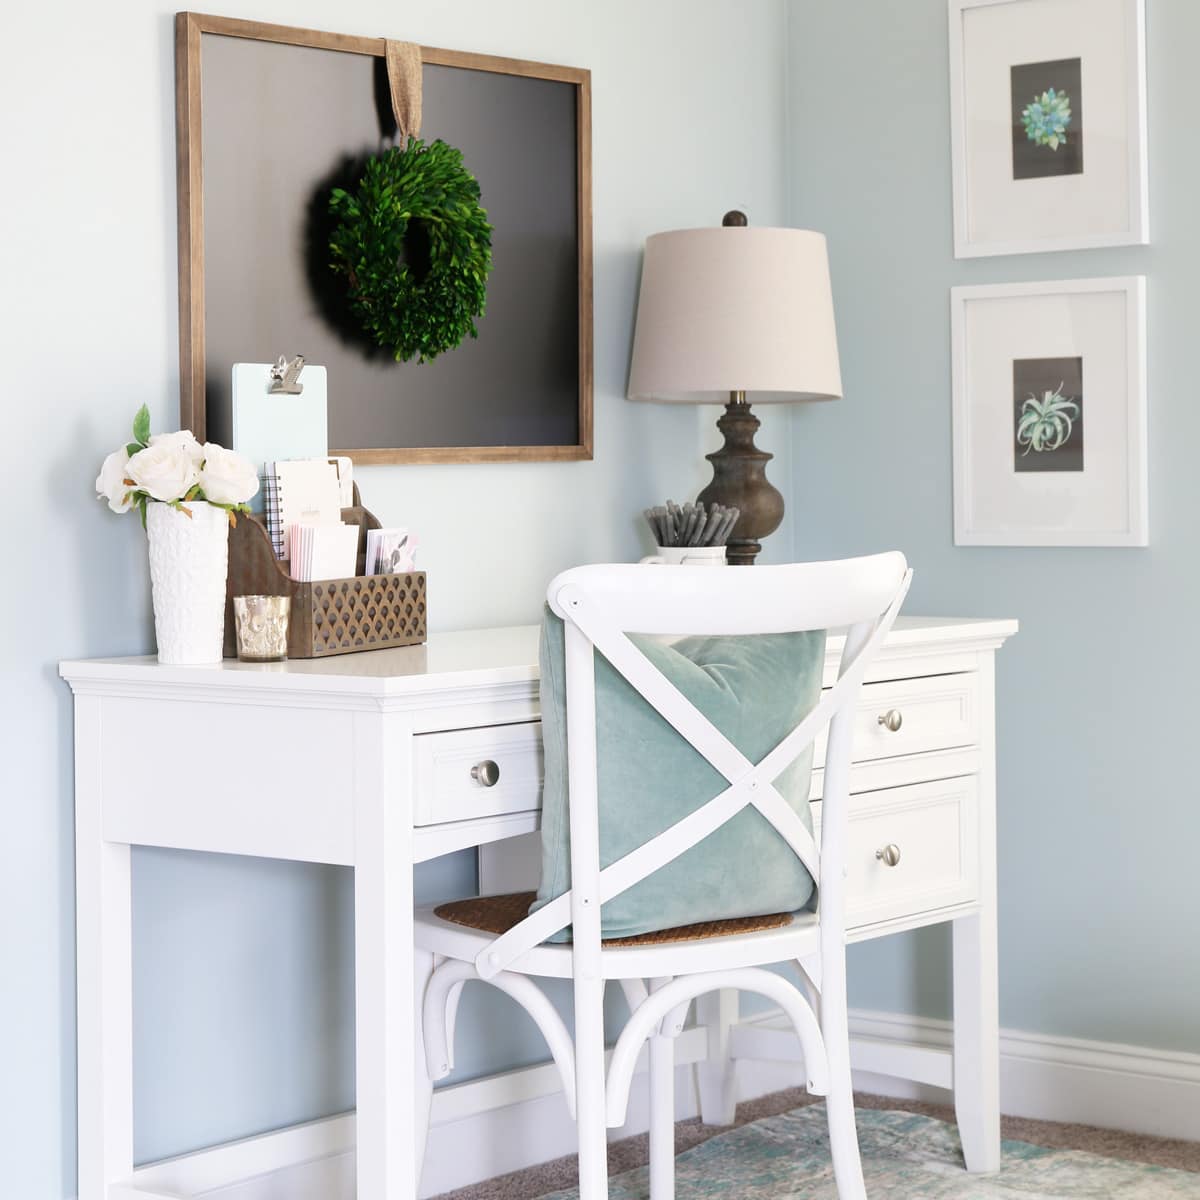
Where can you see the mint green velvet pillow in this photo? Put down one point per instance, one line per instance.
(756, 690)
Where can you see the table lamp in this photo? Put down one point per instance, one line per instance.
(745, 313)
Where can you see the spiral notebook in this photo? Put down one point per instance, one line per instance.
(302, 491)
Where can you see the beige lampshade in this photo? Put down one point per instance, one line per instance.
(735, 309)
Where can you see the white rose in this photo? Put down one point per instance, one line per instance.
(165, 471)
(183, 439)
(227, 477)
(110, 483)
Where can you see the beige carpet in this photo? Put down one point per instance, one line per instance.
(632, 1152)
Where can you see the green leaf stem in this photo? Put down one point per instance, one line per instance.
(141, 428)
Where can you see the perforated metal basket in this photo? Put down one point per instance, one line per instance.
(332, 616)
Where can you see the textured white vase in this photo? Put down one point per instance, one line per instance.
(189, 559)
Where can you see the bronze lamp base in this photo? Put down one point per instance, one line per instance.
(740, 480)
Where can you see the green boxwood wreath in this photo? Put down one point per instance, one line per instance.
(416, 248)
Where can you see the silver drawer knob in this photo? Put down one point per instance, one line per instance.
(892, 719)
(486, 773)
(889, 855)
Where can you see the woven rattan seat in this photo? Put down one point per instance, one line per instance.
(498, 914)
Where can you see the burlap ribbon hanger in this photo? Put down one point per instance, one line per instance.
(404, 80)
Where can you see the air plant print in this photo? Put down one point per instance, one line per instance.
(1046, 424)
(1048, 414)
(1046, 118)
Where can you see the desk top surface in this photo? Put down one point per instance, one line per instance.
(456, 659)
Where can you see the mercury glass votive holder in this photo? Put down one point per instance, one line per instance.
(261, 623)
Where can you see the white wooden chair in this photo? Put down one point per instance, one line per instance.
(599, 606)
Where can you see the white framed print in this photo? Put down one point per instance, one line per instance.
(1048, 125)
(1049, 411)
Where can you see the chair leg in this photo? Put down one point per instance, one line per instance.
(589, 1089)
(662, 1118)
(716, 1075)
(422, 1085)
(839, 1100)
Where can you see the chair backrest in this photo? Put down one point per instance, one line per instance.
(600, 605)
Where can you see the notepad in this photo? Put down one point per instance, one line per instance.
(308, 493)
(389, 551)
(322, 551)
(299, 492)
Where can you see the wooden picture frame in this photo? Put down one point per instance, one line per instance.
(190, 28)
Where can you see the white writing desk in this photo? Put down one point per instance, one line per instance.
(383, 780)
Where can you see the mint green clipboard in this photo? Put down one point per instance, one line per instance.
(270, 428)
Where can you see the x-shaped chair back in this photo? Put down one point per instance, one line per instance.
(600, 606)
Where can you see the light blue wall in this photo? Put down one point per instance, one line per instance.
(242, 968)
(1098, 811)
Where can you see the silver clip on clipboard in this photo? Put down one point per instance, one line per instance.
(285, 376)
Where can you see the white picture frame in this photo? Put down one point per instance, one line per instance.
(1014, 194)
(1087, 488)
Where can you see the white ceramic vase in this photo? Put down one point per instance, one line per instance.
(189, 559)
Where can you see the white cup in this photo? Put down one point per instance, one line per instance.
(688, 556)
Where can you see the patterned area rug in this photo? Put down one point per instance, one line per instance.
(904, 1156)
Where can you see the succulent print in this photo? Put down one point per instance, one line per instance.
(1046, 119)
(1046, 424)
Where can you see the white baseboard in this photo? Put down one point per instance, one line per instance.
(506, 1122)
(1053, 1078)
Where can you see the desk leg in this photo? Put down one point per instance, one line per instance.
(976, 975)
(104, 978)
(383, 959)
(977, 1041)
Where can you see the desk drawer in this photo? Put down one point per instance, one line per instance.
(934, 826)
(938, 712)
(450, 788)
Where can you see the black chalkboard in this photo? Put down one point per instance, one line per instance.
(285, 115)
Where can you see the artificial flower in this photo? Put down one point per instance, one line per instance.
(184, 439)
(226, 476)
(164, 472)
(112, 482)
